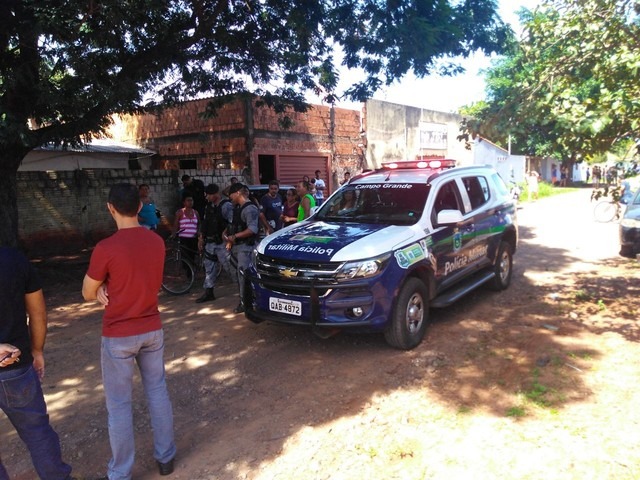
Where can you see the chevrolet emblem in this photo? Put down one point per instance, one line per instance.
(288, 272)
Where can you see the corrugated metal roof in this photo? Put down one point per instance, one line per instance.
(102, 145)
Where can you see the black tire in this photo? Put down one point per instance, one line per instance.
(410, 316)
(178, 274)
(503, 268)
(626, 251)
(605, 211)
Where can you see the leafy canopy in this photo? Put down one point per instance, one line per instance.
(66, 65)
(571, 87)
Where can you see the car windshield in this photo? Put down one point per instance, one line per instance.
(388, 204)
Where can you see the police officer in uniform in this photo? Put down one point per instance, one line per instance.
(241, 235)
(218, 214)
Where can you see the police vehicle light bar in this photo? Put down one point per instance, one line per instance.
(428, 164)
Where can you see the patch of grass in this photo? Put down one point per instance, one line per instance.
(556, 361)
(464, 410)
(517, 412)
(582, 296)
(536, 394)
(601, 305)
(584, 355)
(368, 450)
(541, 395)
(544, 190)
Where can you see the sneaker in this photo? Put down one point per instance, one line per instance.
(166, 468)
(239, 309)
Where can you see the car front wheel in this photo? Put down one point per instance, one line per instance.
(502, 269)
(410, 316)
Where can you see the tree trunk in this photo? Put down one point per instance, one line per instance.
(8, 205)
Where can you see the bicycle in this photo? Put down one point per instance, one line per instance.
(179, 272)
(607, 210)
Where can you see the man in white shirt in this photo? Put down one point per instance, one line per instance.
(320, 186)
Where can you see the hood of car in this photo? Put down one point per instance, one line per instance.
(333, 242)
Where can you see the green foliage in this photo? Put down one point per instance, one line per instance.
(517, 412)
(67, 66)
(570, 89)
(544, 190)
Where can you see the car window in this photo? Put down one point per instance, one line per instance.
(478, 190)
(388, 204)
(447, 198)
(502, 188)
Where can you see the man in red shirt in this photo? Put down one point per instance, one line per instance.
(124, 275)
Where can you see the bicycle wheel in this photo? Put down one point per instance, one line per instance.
(604, 211)
(178, 274)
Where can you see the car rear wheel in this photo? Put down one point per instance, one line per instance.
(626, 250)
(410, 316)
(503, 267)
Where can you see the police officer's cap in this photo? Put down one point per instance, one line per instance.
(211, 189)
(236, 187)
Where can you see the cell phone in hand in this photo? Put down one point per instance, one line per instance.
(5, 356)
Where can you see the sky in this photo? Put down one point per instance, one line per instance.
(448, 94)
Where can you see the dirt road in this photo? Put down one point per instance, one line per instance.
(538, 381)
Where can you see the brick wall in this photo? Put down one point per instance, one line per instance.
(62, 212)
(241, 131)
(182, 132)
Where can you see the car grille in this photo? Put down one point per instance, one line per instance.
(303, 275)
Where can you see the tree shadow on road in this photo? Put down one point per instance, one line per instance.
(241, 392)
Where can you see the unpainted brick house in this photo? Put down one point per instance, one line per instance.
(246, 137)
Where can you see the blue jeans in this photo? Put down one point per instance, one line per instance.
(22, 401)
(119, 355)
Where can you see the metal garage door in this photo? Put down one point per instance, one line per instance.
(291, 169)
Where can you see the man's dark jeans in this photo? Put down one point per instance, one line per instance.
(22, 401)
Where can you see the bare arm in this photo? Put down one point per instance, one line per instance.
(94, 290)
(176, 222)
(306, 205)
(37, 310)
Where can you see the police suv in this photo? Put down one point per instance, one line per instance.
(385, 248)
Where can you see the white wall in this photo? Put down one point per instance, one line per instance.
(508, 166)
(400, 132)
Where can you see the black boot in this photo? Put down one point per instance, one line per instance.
(206, 296)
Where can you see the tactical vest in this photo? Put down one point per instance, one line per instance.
(238, 225)
(214, 222)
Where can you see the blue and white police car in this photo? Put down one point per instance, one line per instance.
(385, 248)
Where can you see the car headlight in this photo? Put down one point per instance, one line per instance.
(363, 268)
(630, 223)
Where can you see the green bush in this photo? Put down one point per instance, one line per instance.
(545, 189)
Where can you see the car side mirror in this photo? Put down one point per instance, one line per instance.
(449, 217)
